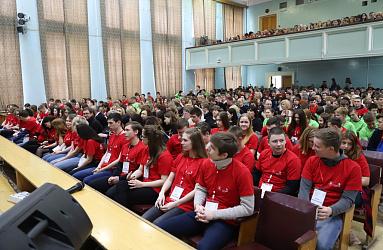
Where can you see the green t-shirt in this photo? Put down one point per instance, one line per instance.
(349, 126)
(313, 123)
(265, 121)
(358, 125)
(365, 133)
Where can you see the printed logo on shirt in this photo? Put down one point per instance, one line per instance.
(223, 189)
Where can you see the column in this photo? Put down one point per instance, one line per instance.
(219, 72)
(96, 52)
(187, 41)
(146, 48)
(30, 55)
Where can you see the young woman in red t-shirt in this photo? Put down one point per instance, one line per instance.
(223, 123)
(67, 139)
(250, 139)
(58, 132)
(73, 156)
(132, 191)
(181, 180)
(297, 126)
(304, 149)
(244, 154)
(93, 151)
(352, 148)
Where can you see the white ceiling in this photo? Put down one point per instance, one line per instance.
(250, 2)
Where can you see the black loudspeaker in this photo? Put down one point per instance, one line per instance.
(279, 68)
(49, 218)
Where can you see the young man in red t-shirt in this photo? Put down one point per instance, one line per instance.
(174, 143)
(28, 127)
(278, 169)
(111, 157)
(224, 192)
(132, 155)
(264, 143)
(331, 181)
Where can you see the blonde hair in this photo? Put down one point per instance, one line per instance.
(249, 132)
(287, 103)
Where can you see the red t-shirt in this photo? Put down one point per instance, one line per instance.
(161, 167)
(174, 146)
(43, 115)
(135, 155)
(362, 162)
(278, 170)
(12, 120)
(303, 157)
(217, 130)
(186, 171)
(246, 157)
(346, 175)
(68, 138)
(227, 185)
(361, 111)
(252, 143)
(47, 135)
(93, 148)
(116, 141)
(30, 125)
(77, 141)
(296, 132)
(264, 144)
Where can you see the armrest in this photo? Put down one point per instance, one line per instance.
(306, 241)
(239, 220)
(345, 233)
(247, 229)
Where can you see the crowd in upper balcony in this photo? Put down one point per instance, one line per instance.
(345, 21)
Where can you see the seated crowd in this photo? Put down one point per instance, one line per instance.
(345, 21)
(196, 158)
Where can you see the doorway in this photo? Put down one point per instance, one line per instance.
(268, 22)
(279, 79)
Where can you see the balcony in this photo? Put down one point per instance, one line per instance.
(359, 40)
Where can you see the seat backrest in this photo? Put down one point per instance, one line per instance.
(283, 219)
(374, 175)
(374, 157)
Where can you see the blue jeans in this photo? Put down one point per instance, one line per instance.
(328, 232)
(51, 157)
(216, 233)
(80, 175)
(93, 177)
(156, 216)
(68, 164)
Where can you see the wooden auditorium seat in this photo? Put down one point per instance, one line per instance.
(374, 157)
(344, 236)
(284, 222)
(375, 189)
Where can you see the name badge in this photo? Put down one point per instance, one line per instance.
(107, 157)
(82, 160)
(318, 197)
(146, 172)
(125, 167)
(211, 206)
(176, 194)
(266, 187)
